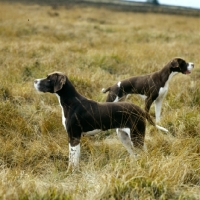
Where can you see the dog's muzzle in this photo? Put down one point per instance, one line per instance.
(189, 68)
(36, 84)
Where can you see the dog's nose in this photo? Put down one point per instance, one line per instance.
(192, 64)
(35, 81)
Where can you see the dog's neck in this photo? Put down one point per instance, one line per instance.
(68, 95)
(166, 73)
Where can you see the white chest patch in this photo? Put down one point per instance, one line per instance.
(63, 116)
(163, 90)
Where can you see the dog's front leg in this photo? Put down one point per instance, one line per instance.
(158, 102)
(74, 156)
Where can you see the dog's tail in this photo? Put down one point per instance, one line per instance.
(148, 117)
(105, 90)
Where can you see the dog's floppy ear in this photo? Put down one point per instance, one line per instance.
(174, 63)
(61, 79)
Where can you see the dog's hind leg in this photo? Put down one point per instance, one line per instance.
(124, 136)
(148, 102)
(137, 134)
(115, 94)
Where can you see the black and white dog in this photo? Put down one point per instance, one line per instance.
(152, 87)
(81, 115)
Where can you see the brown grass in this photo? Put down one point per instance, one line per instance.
(94, 48)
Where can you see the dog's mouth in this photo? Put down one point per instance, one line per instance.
(187, 72)
(41, 89)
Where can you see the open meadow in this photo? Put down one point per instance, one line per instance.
(95, 48)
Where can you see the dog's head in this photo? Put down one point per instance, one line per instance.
(52, 83)
(180, 65)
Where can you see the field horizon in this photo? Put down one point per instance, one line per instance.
(95, 48)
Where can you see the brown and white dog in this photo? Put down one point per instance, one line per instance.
(81, 115)
(152, 87)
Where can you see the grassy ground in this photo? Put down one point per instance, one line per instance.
(94, 47)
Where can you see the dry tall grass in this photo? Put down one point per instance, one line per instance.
(94, 48)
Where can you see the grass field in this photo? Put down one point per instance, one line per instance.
(95, 47)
